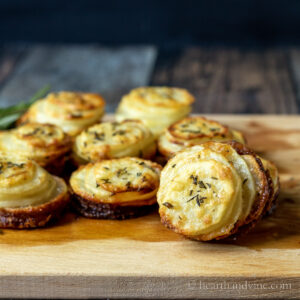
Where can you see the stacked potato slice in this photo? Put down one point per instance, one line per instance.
(192, 131)
(72, 111)
(115, 189)
(29, 196)
(214, 190)
(157, 107)
(112, 140)
(46, 144)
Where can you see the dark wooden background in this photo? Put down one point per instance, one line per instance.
(223, 79)
(234, 56)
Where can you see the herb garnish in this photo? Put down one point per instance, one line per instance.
(168, 205)
(121, 172)
(9, 115)
(11, 165)
(119, 132)
(105, 180)
(202, 185)
(99, 136)
(195, 179)
(199, 200)
(191, 131)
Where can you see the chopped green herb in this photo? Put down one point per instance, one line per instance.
(99, 136)
(202, 185)
(119, 132)
(105, 180)
(191, 131)
(200, 200)
(9, 115)
(168, 205)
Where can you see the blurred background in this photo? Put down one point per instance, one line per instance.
(235, 56)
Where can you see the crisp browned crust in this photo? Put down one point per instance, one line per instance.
(58, 166)
(36, 216)
(23, 119)
(267, 195)
(50, 155)
(96, 210)
(264, 198)
(161, 160)
(240, 148)
(263, 204)
(174, 131)
(164, 153)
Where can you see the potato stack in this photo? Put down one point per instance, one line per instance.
(215, 190)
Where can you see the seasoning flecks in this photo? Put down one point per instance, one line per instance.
(168, 205)
(105, 180)
(202, 185)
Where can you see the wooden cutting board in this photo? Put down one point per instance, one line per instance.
(83, 258)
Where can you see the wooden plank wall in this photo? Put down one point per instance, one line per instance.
(224, 80)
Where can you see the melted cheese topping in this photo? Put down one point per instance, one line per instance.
(113, 140)
(125, 181)
(200, 194)
(72, 111)
(24, 183)
(40, 142)
(157, 107)
(193, 131)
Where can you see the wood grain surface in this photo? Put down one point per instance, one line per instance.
(232, 80)
(140, 258)
(224, 80)
(109, 71)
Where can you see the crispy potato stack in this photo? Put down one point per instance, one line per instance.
(215, 190)
(112, 140)
(193, 131)
(115, 189)
(46, 144)
(29, 196)
(72, 111)
(157, 107)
